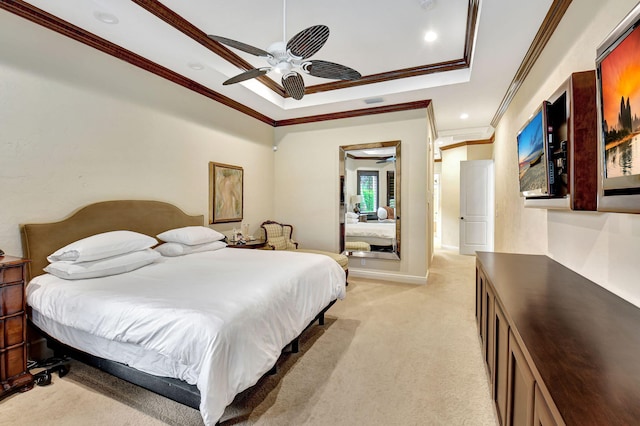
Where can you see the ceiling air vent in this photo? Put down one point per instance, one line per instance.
(373, 101)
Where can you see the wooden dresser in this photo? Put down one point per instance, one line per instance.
(559, 349)
(13, 328)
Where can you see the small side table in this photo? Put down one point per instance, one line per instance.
(251, 244)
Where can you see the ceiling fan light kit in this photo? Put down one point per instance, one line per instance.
(286, 58)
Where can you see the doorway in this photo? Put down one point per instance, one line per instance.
(476, 206)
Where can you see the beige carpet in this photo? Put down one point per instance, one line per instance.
(389, 354)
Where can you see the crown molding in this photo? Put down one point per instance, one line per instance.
(354, 113)
(469, 143)
(548, 27)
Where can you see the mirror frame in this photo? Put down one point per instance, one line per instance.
(343, 202)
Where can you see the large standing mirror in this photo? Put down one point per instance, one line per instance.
(370, 200)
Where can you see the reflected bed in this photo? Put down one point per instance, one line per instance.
(373, 233)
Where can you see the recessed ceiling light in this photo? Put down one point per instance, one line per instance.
(196, 66)
(430, 36)
(464, 116)
(427, 4)
(107, 18)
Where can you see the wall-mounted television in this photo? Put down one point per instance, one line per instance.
(618, 85)
(536, 172)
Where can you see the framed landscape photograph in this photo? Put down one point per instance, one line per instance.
(617, 63)
(225, 193)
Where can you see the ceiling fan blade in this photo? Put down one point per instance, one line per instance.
(247, 75)
(294, 85)
(331, 70)
(240, 46)
(386, 160)
(307, 42)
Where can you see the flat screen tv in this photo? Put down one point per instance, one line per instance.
(618, 78)
(533, 157)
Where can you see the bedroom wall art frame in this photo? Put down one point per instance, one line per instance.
(226, 193)
(618, 86)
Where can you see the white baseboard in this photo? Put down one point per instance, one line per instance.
(386, 276)
(452, 248)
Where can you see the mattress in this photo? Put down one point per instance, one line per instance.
(371, 229)
(371, 241)
(217, 319)
(373, 233)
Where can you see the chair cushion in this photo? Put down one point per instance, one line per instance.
(279, 243)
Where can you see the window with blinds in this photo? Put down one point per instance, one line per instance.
(391, 189)
(368, 187)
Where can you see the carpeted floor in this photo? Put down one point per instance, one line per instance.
(389, 354)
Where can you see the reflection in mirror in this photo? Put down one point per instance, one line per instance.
(370, 200)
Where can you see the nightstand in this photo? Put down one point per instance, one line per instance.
(251, 244)
(13, 327)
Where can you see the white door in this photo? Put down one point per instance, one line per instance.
(476, 206)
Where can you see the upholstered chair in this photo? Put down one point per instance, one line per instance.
(278, 235)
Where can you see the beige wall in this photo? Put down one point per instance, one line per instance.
(450, 196)
(306, 176)
(480, 152)
(601, 246)
(78, 126)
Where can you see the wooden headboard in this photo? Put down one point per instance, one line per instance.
(147, 217)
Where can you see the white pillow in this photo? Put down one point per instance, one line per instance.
(103, 245)
(382, 213)
(177, 249)
(191, 235)
(103, 267)
(352, 215)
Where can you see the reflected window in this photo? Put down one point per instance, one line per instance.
(368, 188)
(391, 189)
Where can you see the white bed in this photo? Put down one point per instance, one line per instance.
(217, 319)
(374, 233)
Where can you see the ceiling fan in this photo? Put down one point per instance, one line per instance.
(387, 160)
(287, 57)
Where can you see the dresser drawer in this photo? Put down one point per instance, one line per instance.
(11, 331)
(11, 299)
(14, 374)
(12, 362)
(11, 274)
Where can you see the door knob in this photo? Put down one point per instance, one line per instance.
(462, 218)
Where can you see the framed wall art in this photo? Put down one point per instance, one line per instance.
(225, 193)
(617, 63)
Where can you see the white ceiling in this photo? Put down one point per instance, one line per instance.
(371, 36)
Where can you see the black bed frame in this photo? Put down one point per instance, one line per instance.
(174, 389)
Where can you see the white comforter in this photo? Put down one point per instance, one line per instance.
(223, 317)
(371, 229)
